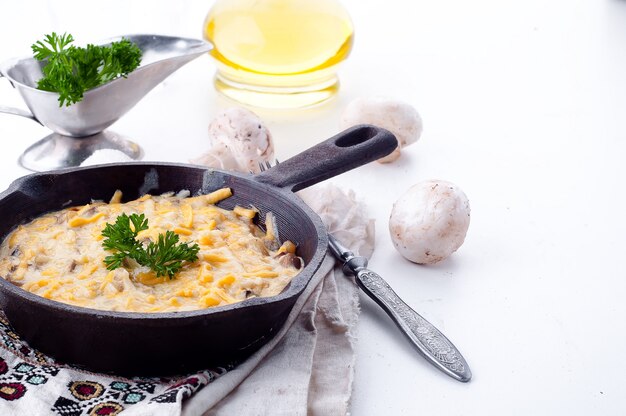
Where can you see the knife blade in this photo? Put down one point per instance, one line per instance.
(427, 339)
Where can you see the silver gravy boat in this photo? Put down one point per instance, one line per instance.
(79, 130)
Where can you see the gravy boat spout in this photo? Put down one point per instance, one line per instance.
(103, 105)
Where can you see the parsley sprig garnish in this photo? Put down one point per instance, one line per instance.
(165, 257)
(72, 70)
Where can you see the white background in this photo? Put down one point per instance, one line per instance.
(524, 107)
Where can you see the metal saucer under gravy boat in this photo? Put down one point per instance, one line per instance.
(79, 130)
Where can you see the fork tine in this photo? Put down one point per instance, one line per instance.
(263, 166)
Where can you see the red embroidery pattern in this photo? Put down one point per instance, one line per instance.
(12, 391)
(25, 372)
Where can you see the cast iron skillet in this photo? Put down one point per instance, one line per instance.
(160, 344)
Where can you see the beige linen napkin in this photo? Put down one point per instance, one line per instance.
(308, 367)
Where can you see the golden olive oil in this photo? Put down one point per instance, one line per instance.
(278, 53)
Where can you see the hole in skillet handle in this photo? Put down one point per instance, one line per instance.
(355, 136)
(345, 151)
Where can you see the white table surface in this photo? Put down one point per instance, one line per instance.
(524, 107)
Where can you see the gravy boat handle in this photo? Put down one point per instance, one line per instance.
(17, 111)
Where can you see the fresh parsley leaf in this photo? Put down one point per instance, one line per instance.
(165, 257)
(71, 70)
(121, 237)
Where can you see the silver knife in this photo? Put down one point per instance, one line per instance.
(428, 340)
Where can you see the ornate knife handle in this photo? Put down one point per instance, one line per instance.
(428, 340)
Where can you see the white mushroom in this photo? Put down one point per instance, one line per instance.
(398, 117)
(239, 141)
(430, 221)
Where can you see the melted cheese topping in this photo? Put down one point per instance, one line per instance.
(60, 256)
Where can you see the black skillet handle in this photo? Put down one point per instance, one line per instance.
(347, 150)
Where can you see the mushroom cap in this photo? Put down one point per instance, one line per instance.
(430, 221)
(239, 141)
(399, 117)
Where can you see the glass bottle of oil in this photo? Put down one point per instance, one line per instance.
(278, 53)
